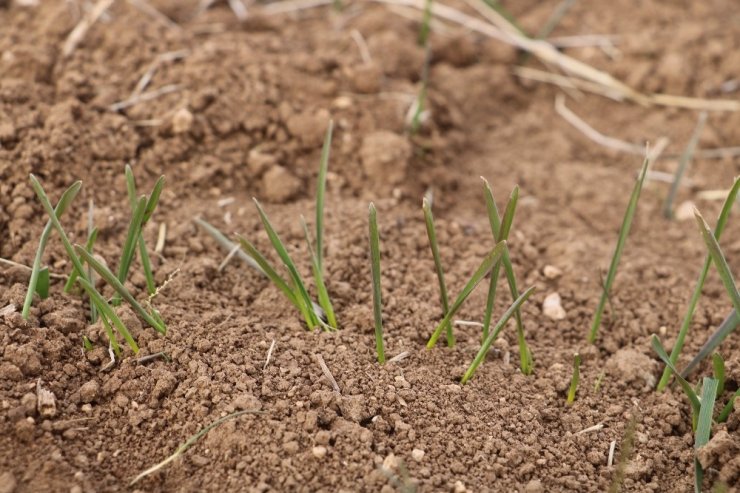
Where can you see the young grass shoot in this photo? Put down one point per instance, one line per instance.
(574, 379)
(375, 270)
(500, 229)
(432, 235)
(688, 317)
(623, 233)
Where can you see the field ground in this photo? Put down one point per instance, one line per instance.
(241, 111)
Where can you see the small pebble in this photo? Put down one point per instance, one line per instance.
(552, 308)
(417, 454)
(319, 451)
(552, 272)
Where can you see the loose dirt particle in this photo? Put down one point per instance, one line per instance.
(552, 307)
(90, 391)
(319, 451)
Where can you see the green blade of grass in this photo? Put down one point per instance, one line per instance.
(109, 331)
(111, 279)
(727, 410)
(432, 235)
(227, 244)
(686, 386)
(91, 238)
(500, 228)
(132, 237)
(719, 260)
(574, 379)
(57, 225)
(492, 337)
(704, 426)
(728, 325)
(426, 21)
(323, 294)
(91, 231)
(42, 284)
(688, 317)
(683, 163)
(375, 270)
(718, 365)
(279, 247)
(320, 193)
(153, 201)
(108, 314)
(189, 442)
(64, 201)
(494, 256)
(265, 266)
(623, 233)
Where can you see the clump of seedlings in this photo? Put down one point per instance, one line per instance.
(79, 255)
(295, 290)
(622, 239)
(499, 255)
(688, 317)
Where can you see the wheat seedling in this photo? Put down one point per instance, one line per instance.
(36, 276)
(623, 233)
(574, 379)
(683, 163)
(432, 235)
(493, 335)
(500, 229)
(485, 267)
(375, 269)
(688, 317)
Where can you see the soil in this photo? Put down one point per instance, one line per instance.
(247, 115)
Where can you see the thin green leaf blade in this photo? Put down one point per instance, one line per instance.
(375, 270)
(432, 235)
(704, 425)
(323, 293)
(621, 241)
(320, 193)
(492, 337)
(42, 284)
(132, 236)
(688, 317)
(574, 379)
(269, 271)
(485, 266)
(111, 279)
(718, 365)
(686, 386)
(107, 311)
(64, 201)
(282, 252)
(719, 260)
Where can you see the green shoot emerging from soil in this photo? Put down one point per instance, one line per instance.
(189, 442)
(623, 233)
(574, 379)
(500, 229)
(375, 268)
(686, 386)
(432, 235)
(718, 367)
(294, 290)
(688, 317)
(683, 163)
(66, 199)
(493, 335)
(492, 258)
(704, 427)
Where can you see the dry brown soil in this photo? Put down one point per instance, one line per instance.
(246, 118)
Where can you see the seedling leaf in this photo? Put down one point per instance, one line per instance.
(492, 337)
(108, 314)
(485, 266)
(111, 279)
(64, 201)
(323, 294)
(227, 244)
(129, 247)
(683, 163)
(718, 365)
(264, 266)
(375, 270)
(686, 324)
(432, 235)
(686, 386)
(42, 284)
(719, 260)
(704, 426)
(320, 193)
(623, 233)
(574, 379)
(727, 410)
